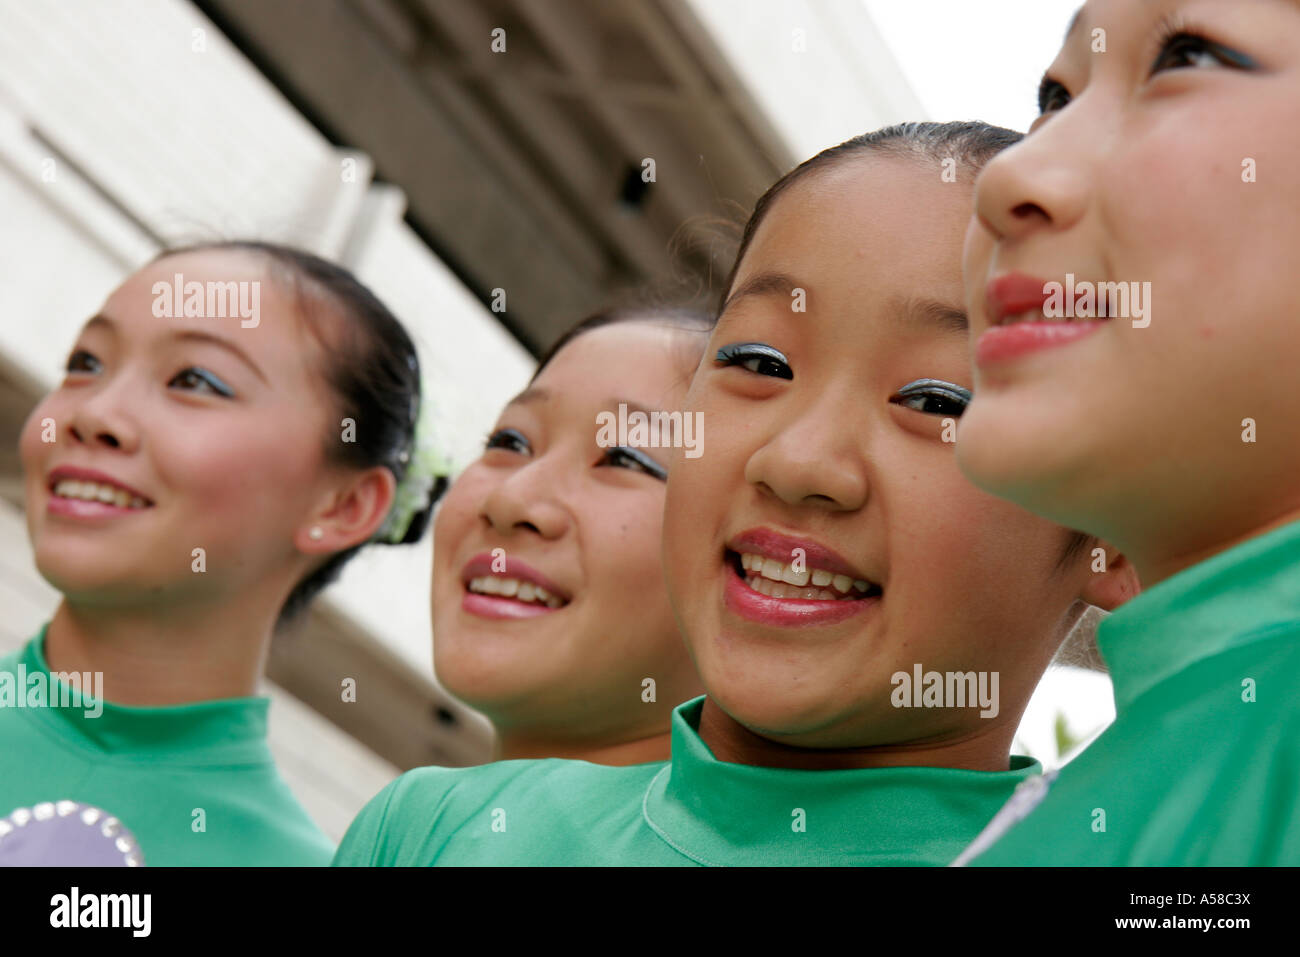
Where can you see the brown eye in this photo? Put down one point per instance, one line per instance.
(756, 357)
(1184, 50)
(194, 379)
(933, 397)
(82, 361)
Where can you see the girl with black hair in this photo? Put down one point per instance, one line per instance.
(550, 613)
(825, 561)
(191, 484)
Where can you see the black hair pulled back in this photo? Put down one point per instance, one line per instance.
(373, 371)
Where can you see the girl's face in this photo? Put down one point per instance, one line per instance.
(1165, 163)
(842, 351)
(188, 433)
(547, 505)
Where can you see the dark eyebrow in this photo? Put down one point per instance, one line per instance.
(764, 284)
(103, 321)
(934, 312)
(194, 335)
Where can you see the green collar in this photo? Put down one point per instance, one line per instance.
(1241, 595)
(227, 731)
(718, 812)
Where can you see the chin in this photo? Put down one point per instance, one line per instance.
(1015, 460)
(798, 719)
(96, 585)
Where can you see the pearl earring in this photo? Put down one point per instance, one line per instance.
(316, 533)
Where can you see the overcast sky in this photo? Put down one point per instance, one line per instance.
(975, 59)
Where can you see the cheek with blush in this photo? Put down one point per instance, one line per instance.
(240, 481)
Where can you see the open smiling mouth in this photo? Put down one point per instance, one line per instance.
(775, 579)
(514, 590)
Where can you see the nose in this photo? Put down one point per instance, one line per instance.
(814, 459)
(1043, 182)
(100, 417)
(529, 498)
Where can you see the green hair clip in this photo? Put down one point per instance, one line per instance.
(426, 467)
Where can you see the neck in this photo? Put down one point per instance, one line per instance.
(729, 740)
(158, 656)
(514, 745)
(1156, 567)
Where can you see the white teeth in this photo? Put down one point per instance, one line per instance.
(792, 577)
(96, 492)
(773, 589)
(514, 588)
(779, 580)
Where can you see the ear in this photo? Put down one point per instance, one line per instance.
(350, 514)
(1113, 579)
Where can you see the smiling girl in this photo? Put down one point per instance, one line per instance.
(187, 487)
(549, 609)
(1167, 163)
(822, 545)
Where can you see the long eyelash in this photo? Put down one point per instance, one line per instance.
(514, 434)
(647, 463)
(748, 350)
(210, 380)
(922, 386)
(1173, 23)
(1045, 86)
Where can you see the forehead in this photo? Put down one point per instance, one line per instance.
(646, 361)
(279, 323)
(202, 266)
(868, 226)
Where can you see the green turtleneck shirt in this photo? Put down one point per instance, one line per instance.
(1202, 763)
(194, 783)
(691, 810)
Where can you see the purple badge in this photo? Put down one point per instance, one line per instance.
(66, 833)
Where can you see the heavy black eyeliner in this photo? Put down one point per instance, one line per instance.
(748, 350)
(645, 461)
(922, 386)
(500, 433)
(739, 352)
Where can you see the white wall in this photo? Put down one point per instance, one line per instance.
(819, 69)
